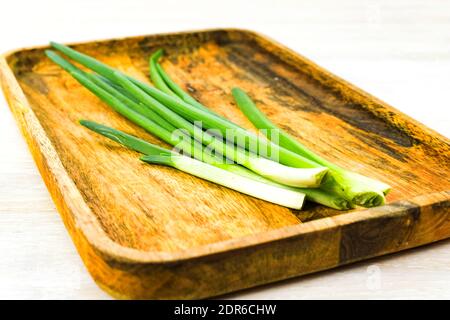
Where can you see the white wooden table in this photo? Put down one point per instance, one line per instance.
(400, 52)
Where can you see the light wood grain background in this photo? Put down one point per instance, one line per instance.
(398, 51)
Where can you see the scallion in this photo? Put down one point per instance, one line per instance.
(168, 107)
(154, 154)
(286, 198)
(139, 145)
(360, 189)
(297, 177)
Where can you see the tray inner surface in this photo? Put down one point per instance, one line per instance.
(156, 208)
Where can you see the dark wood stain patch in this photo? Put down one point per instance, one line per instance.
(363, 239)
(353, 114)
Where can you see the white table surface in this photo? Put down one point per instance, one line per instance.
(398, 51)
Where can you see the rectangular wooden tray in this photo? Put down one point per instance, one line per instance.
(148, 231)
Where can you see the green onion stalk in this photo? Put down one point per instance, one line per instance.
(359, 189)
(179, 102)
(296, 177)
(148, 149)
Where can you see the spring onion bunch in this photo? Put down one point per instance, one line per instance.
(158, 155)
(139, 145)
(360, 190)
(297, 177)
(356, 188)
(167, 109)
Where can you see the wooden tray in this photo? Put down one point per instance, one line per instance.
(153, 232)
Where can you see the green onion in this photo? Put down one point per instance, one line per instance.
(296, 177)
(329, 184)
(155, 154)
(179, 102)
(333, 189)
(311, 177)
(286, 198)
(163, 82)
(210, 121)
(155, 76)
(109, 88)
(361, 190)
(139, 145)
(312, 194)
(243, 138)
(150, 121)
(125, 139)
(190, 147)
(138, 107)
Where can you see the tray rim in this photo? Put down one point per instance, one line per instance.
(86, 221)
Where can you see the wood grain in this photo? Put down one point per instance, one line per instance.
(152, 232)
